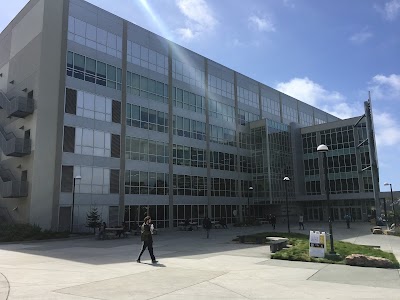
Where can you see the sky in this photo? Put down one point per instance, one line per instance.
(329, 54)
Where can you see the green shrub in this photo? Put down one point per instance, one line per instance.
(300, 249)
(26, 232)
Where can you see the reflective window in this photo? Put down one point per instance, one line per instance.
(147, 58)
(144, 183)
(318, 121)
(92, 142)
(188, 74)
(94, 180)
(222, 135)
(188, 100)
(246, 117)
(93, 106)
(142, 117)
(189, 128)
(221, 87)
(271, 106)
(247, 97)
(147, 88)
(93, 37)
(90, 70)
(189, 185)
(221, 111)
(306, 119)
(289, 113)
(146, 150)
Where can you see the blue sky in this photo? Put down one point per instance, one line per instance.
(326, 53)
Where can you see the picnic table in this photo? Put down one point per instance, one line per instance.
(262, 220)
(216, 224)
(114, 231)
(185, 226)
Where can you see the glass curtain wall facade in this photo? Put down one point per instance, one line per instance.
(349, 171)
(177, 130)
(272, 161)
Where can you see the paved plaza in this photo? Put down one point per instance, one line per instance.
(190, 267)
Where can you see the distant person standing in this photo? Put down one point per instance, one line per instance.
(347, 218)
(207, 225)
(301, 222)
(147, 239)
(102, 232)
(273, 221)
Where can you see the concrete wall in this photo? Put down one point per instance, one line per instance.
(20, 51)
(48, 135)
(33, 57)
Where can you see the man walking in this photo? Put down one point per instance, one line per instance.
(301, 222)
(273, 221)
(347, 218)
(207, 225)
(147, 239)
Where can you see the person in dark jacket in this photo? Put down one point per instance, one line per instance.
(102, 232)
(207, 225)
(273, 221)
(347, 219)
(147, 239)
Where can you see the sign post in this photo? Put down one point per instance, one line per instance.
(317, 244)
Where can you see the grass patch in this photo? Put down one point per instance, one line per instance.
(300, 248)
(27, 232)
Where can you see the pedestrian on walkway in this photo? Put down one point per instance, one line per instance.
(347, 218)
(102, 231)
(273, 221)
(207, 225)
(147, 239)
(301, 222)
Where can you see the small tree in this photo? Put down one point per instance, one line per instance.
(93, 219)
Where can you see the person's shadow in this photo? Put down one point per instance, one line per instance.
(154, 265)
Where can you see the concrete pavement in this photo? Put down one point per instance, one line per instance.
(191, 267)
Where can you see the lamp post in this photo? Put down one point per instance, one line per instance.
(78, 177)
(394, 210)
(324, 149)
(286, 180)
(248, 202)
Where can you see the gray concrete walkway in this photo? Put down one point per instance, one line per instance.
(190, 267)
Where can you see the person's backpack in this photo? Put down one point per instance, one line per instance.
(146, 233)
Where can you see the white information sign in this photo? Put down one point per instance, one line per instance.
(317, 244)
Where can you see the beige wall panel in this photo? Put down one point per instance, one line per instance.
(27, 29)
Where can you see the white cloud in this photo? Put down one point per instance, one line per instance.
(261, 24)
(308, 91)
(390, 10)
(387, 129)
(237, 43)
(288, 3)
(199, 18)
(361, 37)
(316, 95)
(185, 33)
(385, 87)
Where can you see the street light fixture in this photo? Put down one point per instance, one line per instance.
(248, 202)
(394, 210)
(78, 177)
(286, 180)
(324, 149)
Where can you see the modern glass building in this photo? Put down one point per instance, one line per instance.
(153, 128)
